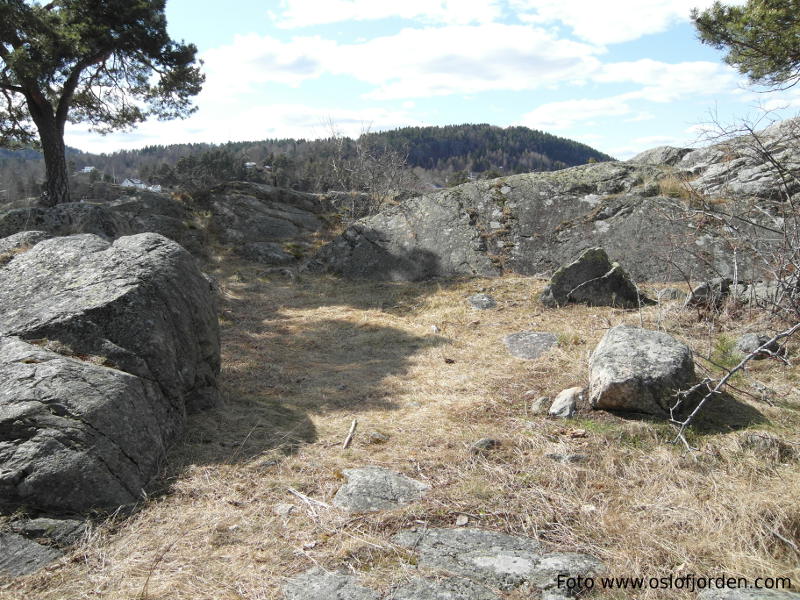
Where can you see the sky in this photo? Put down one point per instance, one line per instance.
(621, 76)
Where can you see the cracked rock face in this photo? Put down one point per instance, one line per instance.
(448, 588)
(375, 488)
(495, 559)
(638, 370)
(21, 556)
(103, 349)
(318, 584)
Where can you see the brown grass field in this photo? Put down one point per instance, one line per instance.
(303, 357)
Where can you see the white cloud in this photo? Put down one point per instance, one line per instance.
(303, 13)
(610, 22)
(253, 59)
(667, 82)
(556, 116)
(410, 64)
(219, 124)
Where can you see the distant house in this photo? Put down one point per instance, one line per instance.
(139, 185)
(134, 183)
(88, 170)
(249, 165)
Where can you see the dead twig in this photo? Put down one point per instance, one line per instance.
(350, 435)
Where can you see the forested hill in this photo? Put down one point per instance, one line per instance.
(438, 156)
(481, 148)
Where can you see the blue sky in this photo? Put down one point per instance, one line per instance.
(621, 76)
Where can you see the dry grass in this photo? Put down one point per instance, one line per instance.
(303, 357)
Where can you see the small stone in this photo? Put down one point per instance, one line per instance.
(481, 301)
(484, 445)
(566, 403)
(375, 488)
(670, 293)
(376, 437)
(541, 405)
(750, 342)
(284, 509)
(462, 520)
(530, 345)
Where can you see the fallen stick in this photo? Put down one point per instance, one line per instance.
(307, 500)
(349, 437)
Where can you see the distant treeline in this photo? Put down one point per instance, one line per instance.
(437, 156)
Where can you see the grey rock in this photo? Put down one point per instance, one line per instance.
(252, 218)
(375, 488)
(566, 403)
(710, 294)
(376, 437)
(637, 370)
(494, 559)
(594, 280)
(75, 435)
(670, 293)
(448, 588)
(284, 509)
(527, 224)
(568, 564)
(481, 301)
(65, 219)
(19, 241)
(529, 345)
(767, 446)
(662, 155)
(541, 405)
(737, 168)
(484, 445)
(62, 532)
(318, 584)
(141, 303)
(269, 253)
(128, 341)
(21, 556)
(751, 342)
(747, 594)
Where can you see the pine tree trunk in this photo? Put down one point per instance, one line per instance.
(51, 135)
(55, 165)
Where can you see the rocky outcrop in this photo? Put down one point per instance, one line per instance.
(128, 215)
(264, 223)
(104, 347)
(594, 280)
(528, 224)
(638, 370)
(532, 223)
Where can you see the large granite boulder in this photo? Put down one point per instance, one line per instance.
(638, 370)
(262, 223)
(127, 215)
(105, 347)
(594, 280)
